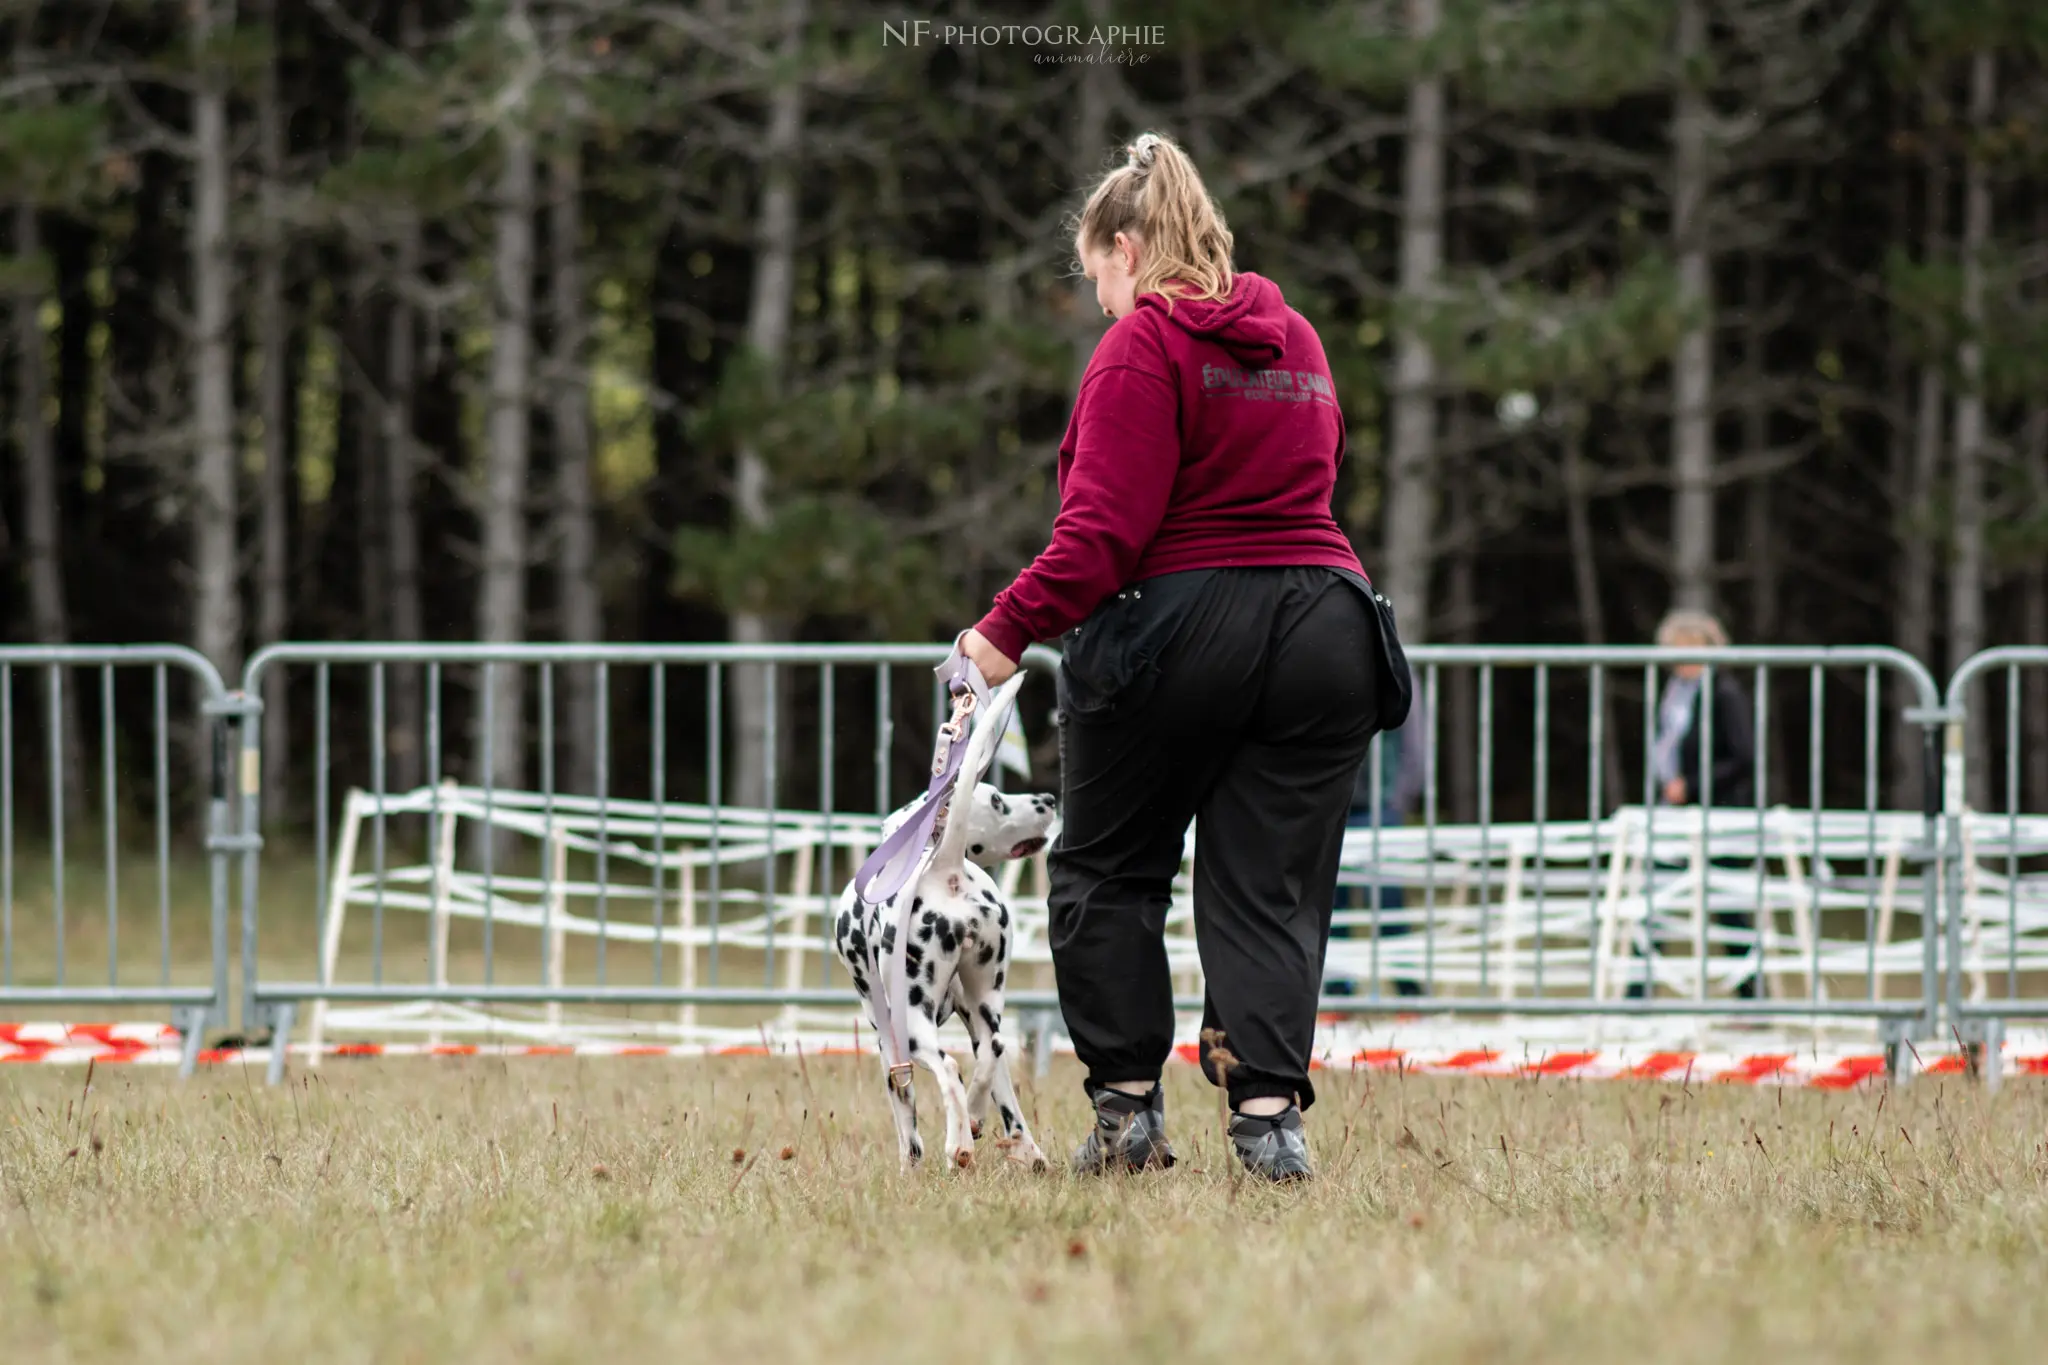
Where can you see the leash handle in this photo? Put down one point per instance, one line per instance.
(889, 868)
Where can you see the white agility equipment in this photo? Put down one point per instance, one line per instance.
(1833, 904)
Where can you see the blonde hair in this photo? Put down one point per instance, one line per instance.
(1691, 624)
(1158, 196)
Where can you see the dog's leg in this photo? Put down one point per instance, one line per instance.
(903, 1107)
(984, 1054)
(924, 1047)
(1018, 1144)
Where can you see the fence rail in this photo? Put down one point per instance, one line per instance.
(547, 839)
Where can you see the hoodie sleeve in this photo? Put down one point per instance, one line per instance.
(1126, 456)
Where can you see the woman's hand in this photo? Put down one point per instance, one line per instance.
(996, 667)
(1674, 792)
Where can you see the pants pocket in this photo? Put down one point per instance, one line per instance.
(1110, 662)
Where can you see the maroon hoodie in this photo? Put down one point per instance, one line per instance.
(1205, 437)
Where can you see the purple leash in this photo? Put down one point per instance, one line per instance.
(899, 860)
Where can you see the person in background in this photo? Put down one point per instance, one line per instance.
(1403, 772)
(1678, 762)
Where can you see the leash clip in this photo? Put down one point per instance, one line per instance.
(953, 730)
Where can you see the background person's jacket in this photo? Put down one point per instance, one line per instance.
(1734, 747)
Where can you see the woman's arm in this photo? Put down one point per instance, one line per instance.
(1126, 456)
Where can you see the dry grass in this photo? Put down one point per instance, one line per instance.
(622, 1210)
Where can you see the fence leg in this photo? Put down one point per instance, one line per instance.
(282, 1017)
(191, 1037)
(1994, 1053)
(1897, 1058)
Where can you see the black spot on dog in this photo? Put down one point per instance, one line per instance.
(975, 850)
(1003, 916)
(991, 1018)
(845, 922)
(888, 938)
(988, 954)
(999, 979)
(917, 995)
(1009, 1116)
(949, 941)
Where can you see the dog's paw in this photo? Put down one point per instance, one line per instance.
(964, 1159)
(974, 1130)
(1022, 1151)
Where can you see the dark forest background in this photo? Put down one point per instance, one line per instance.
(647, 320)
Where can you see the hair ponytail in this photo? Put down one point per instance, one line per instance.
(1158, 196)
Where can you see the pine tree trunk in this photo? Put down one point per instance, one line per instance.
(1692, 419)
(41, 521)
(1458, 727)
(1091, 139)
(407, 705)
(1766, 565)
(1586, 583)
(218, 606)
(273, 340)
(767, 337)
(1917, 565)
(363, 336)
(406, 736)
(1411, 493)
(579, 611)
(2034, 627)
(501, 605)
(1966, 574)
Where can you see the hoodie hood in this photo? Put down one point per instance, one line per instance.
(1251, 324)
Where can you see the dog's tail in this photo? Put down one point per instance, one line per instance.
(981, 751)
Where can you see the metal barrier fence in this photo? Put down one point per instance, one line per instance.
(1521, 884)
(1996, 860)
(131, 743)
(546, 851)
(716, 910)
(1647, 910)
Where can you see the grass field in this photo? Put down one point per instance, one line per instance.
(751, 1209)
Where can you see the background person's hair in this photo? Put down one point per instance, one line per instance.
(1690, 625)
(1158, 197)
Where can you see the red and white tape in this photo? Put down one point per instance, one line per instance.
(144, 1044)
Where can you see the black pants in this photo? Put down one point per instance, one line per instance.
(1244, 700)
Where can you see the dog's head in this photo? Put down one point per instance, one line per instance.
(1001, 827)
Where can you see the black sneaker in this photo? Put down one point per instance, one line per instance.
(1129, 1133)
(1272, 1147)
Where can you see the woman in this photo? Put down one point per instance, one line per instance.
(1217, 640)
(1677, 756)
(1679, 761)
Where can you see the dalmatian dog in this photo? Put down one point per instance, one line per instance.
(957, 960)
